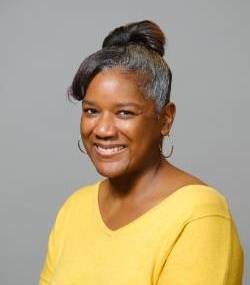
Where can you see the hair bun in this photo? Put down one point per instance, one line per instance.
(144, 33)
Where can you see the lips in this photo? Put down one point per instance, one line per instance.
(109, 150)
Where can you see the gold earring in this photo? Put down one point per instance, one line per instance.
(81, 148)
(171, 147)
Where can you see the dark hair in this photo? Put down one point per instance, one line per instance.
(136, 48)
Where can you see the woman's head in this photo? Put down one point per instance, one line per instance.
(136, 49)
(125, 89)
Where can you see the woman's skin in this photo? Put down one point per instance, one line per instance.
(122, 134)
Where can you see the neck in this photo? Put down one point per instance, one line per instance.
(135, 185)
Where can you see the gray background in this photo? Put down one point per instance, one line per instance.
(43, 43)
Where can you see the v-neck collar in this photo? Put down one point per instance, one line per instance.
(140, 218)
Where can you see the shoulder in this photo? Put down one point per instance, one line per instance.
(79, 200)
(82, 194)
(200, 200)
(195, 198)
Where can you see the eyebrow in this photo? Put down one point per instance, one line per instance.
(119, 105)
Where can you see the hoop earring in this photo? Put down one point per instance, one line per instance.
(82, 149)
(171, 148)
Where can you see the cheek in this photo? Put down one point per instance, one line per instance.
(130, 129)
(85, 127)
(141, 131)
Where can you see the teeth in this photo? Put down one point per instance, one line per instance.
(109, 150)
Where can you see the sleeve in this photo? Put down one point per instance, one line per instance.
(55, 245)
(49, 264)
(203, 254)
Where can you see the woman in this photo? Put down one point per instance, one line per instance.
(147, 222)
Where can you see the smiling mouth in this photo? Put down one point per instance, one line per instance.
(109, 150)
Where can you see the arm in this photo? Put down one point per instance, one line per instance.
(49, 264)
(203, 254)
(55, 244)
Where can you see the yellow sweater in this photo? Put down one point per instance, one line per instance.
(188, 238)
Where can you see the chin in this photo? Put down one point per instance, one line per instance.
(111, 170)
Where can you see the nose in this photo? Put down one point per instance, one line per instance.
(105, 127)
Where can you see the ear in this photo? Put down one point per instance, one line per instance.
(167, 117)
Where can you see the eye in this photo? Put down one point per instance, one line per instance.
(125, 114)
(90, 111)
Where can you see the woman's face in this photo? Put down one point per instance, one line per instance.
(119, 126)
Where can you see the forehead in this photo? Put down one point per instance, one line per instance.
(116, 85)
